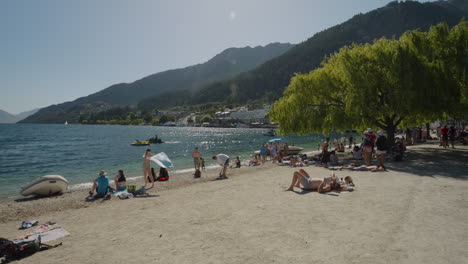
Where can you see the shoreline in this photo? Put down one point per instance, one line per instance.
(75, 196)
(413, 213)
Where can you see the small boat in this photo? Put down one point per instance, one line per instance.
(140, 143)
(155, 140)
(292, 150)
(45, 185)
(270, 133)
(66, 123)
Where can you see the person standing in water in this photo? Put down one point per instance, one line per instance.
(196, 155)
(147, 167)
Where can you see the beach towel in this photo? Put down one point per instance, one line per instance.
(123, 195)
(46, 232)
(162, 160)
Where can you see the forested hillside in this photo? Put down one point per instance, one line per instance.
(269, 80)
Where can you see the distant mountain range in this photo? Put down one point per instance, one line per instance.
(6, 117)
(233, 78)
(225, 65)
(271, 78)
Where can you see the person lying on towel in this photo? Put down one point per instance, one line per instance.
(321, 185)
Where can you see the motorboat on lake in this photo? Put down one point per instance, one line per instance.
(270, 133)
(140, 143)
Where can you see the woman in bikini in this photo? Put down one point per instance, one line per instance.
(321, 185)
(147, 167)
(120, 181)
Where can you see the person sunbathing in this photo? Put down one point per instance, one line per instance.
(321, 185)
(354, 167)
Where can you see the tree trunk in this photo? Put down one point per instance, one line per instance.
(390, 135)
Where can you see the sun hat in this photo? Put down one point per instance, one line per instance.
(369, 130)
(102, 173)
(380, 133)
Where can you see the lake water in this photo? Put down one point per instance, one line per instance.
(78, 152)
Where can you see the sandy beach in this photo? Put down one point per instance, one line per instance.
(413, 213)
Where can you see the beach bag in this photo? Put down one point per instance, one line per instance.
(197, 173)
(131, 189)
(162, 178)
(21, 248)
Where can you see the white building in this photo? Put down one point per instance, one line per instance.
(257, 115)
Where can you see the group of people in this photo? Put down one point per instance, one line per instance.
(448, 135)
(103, 188)
(274, 151)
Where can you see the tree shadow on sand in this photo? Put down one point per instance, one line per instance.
(432, 162)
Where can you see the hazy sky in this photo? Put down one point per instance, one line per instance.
(53, 51)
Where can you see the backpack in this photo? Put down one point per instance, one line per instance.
(197, 174)
(21, 248)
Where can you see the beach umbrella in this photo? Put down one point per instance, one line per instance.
(162, 160)
(274, 140)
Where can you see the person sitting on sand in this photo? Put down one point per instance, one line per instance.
(333, 159)
(321, 185)
(357, 153)
(237, 162)
(120, 181)
(341, 148)
(256, 161)
(223, 161)
(100, 185)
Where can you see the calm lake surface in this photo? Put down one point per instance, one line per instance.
(78, 152)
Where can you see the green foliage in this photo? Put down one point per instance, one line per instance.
(205, 119)
(165, 119)
(381, 85)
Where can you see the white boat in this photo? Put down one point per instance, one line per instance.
(292, 150)
(66, 123)
(46, 185)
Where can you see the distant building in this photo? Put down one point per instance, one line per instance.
(246, 116)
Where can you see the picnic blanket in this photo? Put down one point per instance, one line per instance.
(47, 233)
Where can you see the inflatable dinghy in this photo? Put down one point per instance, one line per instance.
(46, 185)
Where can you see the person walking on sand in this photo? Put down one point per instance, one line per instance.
(444, 133)
(223, 161)
(196, 155)
(147, 167)
(381, 144)
(452, 134)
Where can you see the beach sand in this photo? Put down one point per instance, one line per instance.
(414, 213)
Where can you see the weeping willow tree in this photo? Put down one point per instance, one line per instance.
(387, 84)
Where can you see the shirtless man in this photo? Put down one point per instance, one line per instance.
(196, 155)
(321, 185)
